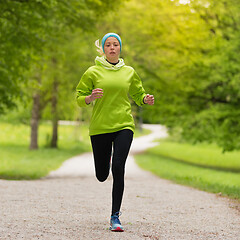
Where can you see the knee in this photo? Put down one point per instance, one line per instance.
(101, 178)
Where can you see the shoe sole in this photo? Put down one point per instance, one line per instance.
(118, 229)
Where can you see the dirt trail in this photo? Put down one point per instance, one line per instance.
(71, 204)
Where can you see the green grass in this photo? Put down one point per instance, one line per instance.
(201, 166)
(19, 163)
(139, 133)
(204, 155)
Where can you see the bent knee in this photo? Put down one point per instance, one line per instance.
(101, 178)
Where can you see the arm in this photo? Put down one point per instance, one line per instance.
(84, 89)
(85, 92)
(136, 90)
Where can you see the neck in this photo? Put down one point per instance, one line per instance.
(114, 62)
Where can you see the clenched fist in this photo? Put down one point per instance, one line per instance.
(149, 99)
(96, 93)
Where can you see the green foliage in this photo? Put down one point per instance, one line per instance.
(187, 56)
(28, 26)
(65, 62)
(213, 102)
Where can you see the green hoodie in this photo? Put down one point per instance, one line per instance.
(112, 112)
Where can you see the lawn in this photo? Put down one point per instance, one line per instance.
(204, 155)
(17, 162)
(202, 166)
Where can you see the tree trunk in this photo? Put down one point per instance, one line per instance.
(54, 115)
(35, 121)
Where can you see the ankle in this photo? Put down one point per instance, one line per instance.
(116, 214)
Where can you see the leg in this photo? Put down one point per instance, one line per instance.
(121, 147)
(102, 148)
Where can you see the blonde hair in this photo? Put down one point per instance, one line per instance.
(99, 48)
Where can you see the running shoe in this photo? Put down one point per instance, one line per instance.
(115, 223)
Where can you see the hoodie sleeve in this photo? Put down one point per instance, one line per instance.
(136, 90)
(84, 88)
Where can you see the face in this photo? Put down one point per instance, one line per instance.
(112, 49)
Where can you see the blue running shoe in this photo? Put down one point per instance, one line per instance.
(115, 223)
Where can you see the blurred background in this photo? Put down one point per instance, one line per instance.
(185, 51)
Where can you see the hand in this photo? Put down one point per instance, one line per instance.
(96, 93)
(149, 99)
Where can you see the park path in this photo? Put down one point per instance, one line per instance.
(70, 204)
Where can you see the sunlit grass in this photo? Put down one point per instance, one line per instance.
(181, 163)
(19, 134)
(204, 155)
(18, 162)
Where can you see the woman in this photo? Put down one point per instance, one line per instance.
(112, 126)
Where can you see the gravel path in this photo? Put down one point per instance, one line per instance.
(71, 204)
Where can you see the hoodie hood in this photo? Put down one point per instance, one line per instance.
(104, 63)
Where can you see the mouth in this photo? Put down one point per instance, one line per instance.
(112, 52)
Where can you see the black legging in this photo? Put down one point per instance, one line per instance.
(102, 148)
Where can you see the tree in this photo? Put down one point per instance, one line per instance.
(53, 57)
(218, 97)
(26, 26)
(187, 56)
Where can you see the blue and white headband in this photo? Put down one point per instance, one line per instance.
(111, 35)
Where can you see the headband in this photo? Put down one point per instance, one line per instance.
(111, 35)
